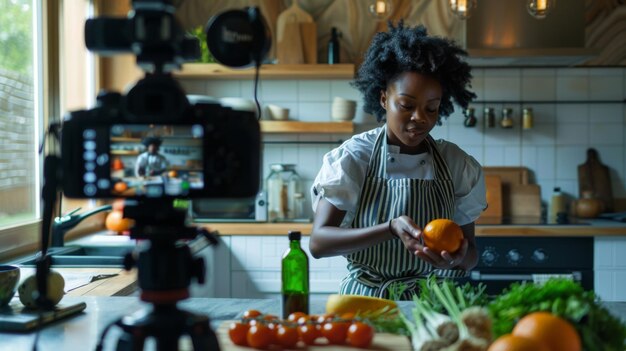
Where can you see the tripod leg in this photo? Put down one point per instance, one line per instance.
(205, 342)
(128, 342)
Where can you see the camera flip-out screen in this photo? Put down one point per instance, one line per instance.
(155, 160)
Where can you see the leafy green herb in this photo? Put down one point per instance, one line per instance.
(599, 330)
(467, 295)
(199, 33)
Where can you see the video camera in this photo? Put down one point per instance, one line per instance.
(211, 151)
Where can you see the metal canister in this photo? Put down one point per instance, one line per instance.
(489, 117)
(527, 118)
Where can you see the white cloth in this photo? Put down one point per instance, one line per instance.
(344, 168)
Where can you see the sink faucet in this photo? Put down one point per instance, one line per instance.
(68, 221)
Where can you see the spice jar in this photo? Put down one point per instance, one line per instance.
(527, 118)
(470, 119)
(489, 117)
(282, 185)
(507, 119)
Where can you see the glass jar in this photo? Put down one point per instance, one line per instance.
(283, 183)
(470, 118)
(507, 118)
(527, 118)
(489, 117)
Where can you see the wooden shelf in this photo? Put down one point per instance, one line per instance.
(307, 127)
(303, 71)
(124, 152)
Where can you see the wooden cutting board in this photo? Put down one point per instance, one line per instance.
(595, 177)
(524, 201)
(308, 36)
(493, 185)
(289, 40)
(382, 341)
(509, 175)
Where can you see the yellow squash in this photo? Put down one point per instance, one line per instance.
(340, 304)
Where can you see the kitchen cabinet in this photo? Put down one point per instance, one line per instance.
(610, 268)
(295, 71)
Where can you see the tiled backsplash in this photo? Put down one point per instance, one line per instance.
(552, 149)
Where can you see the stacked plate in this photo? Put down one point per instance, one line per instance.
(343, 109)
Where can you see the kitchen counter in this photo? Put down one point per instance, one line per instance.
(596, 227)
(82, 331)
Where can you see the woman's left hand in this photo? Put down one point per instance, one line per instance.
(446, 260)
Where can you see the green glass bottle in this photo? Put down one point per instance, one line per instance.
(295, 277)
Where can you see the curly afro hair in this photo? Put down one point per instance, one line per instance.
(405, 49)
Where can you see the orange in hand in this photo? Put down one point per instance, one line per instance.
(443, 235)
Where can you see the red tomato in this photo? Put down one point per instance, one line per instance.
(308, 333)
(293, 317)
(238, 333)
(360, 335)
(287, 336)
(335, 332)
(259, 336)
(251, 314)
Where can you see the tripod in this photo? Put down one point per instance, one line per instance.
(164, 271)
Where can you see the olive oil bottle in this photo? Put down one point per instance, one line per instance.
(295, 277)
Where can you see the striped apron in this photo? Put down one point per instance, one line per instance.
(371, 271)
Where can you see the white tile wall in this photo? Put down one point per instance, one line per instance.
(610, 268)
(552, 149)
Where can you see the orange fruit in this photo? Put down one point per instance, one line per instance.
(172, 174)
(510, 342)
(443, 235)
(555, 332)
(116, 222)
(120, 187)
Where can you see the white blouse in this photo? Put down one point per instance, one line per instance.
(344, 168)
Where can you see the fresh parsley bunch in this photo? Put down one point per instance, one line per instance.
(597, 327)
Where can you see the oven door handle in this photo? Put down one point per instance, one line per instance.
(476, 275)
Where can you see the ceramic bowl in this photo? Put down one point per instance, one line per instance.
(278, 113)
(9, 278)
(343, 109)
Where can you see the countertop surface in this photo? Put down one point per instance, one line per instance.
(82, 331)
(594, 227)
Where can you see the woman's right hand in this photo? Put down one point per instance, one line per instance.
(404, 228)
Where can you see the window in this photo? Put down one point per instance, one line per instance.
(36, 37)
(20, 119)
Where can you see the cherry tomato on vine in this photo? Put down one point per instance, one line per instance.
(287, 336)
(238, 333)
(360, 334)
(308, 333)
(259, 336)
(251, 314)
(335, 332)
(293, 317)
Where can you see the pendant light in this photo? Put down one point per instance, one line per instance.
(540, 8)
(380, 9)
(463, 8)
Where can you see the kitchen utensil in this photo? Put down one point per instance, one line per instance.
(277, 112)
(381, 341)
(510, 176)
(308, 36)
(524, 200)
(9, 277)
(493, 184)
(289, 45)
(594, 176)
(343, 109)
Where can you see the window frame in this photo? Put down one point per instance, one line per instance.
(23, 237)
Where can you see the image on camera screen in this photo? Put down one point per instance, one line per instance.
(156, 160)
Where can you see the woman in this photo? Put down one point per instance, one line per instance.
(151, 162)
(377, 190)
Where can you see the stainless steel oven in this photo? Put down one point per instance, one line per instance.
(507, 259)
(230, 210)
